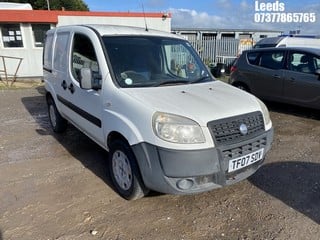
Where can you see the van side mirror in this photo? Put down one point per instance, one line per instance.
(88, 80)
(85, 78)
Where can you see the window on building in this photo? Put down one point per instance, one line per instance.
(263, 36)
(39, 33)
(209, 36)
(11, 35)
(245, 36)
(228, 35)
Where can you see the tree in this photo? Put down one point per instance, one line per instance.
(74, 5)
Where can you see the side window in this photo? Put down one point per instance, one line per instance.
(317, 62)
(253, 57)
(47, 52)
(83, 56)
(303, 62)
(60, 52)
(272, 60)
(180, 62)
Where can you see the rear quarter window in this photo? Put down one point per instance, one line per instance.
(61, 51)
(47, 52)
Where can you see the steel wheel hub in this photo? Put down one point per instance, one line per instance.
(122, 170)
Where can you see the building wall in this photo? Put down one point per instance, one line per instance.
(31, 65)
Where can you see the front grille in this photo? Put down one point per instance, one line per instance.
(227, 130)
(239, 151)
(244, 149)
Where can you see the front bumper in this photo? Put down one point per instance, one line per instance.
(184, 172)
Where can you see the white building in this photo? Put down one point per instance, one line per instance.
(22, 32)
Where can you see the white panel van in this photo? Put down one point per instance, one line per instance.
(147, 98)
(288, 41)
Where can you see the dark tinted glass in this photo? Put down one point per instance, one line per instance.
(272, 59)
(252, 57)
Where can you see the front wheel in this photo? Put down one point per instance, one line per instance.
(124, 171)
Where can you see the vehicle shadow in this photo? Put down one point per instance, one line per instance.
(293, 110)
(81, 147)
(297, 184)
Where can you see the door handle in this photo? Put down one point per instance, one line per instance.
(71, 88)
(64, 85)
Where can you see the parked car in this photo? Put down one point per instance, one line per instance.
(290, 75)
(146, 97)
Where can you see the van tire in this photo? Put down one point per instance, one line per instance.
(58, 123)
(125, 172)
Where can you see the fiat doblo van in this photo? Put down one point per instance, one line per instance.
(147, 98)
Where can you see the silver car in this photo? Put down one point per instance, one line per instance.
(290, 75)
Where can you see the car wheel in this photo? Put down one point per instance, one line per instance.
(58, 123)
(124, 171)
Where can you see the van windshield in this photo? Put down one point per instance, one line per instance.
(264, 45)
(140, 61)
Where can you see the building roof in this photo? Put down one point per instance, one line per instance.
(45, 16)
(185, 29)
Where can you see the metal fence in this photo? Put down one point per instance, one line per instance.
(5, 75)
(213, 50)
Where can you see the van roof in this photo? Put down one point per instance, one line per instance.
(305, 49)
(288, 41)
(270, 40)
(114, 30)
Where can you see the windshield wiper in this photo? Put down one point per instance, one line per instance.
(172, 82)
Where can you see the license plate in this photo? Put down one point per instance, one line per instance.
(244, 161)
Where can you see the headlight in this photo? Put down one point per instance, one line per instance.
(177, 129)
(265, 112)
